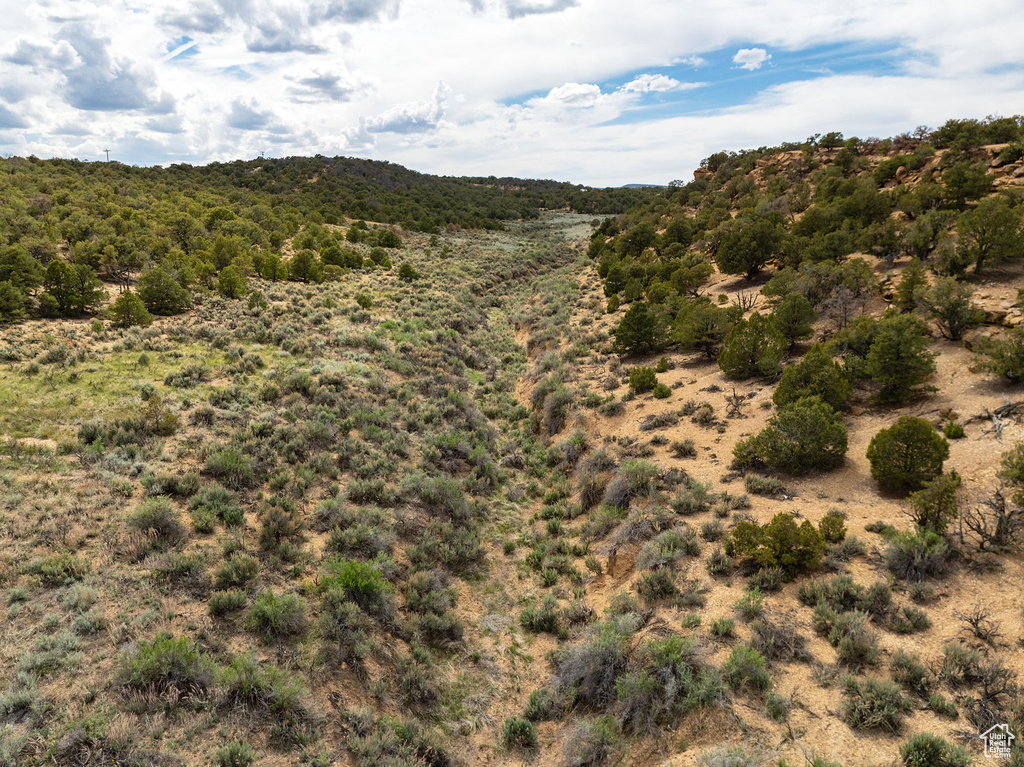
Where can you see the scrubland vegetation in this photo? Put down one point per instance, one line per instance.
(734, 478)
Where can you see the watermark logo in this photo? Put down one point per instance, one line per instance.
(998, 741)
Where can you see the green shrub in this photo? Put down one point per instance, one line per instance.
(803, 436)
(874, 704)
(359, 582)
(745, 668)
(832, 526)
(908, 671)
(274, 617)
(661, 391)
(232, 468)
(723, 628)
(941, 706)
(261, 690)
(590, 743)
(750, 605)
(60, 569)
(758, 485)
(235, 754)
(656, 585)
(216, 501)
(684, 449)
(907, 455)
(239, 571)
(223, 603)
(166, 665)
(928, 750)
(954, 430)
(777, 707)
(545, 619)
(642, 379)
(156, 517)
(540, 707)
(518, 733)
(1005, 355)
(780, 543)
(914, 556)
(936, 504)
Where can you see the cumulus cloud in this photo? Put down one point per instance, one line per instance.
(651, 84)
(199, 17)
(355, 11)
(751, 58)
(273, 26)
(9, 119)
(248, 116)
(518, 8)
(412, 117)
(317, 86)
(93, 79)
(571, 95)
(43, 54)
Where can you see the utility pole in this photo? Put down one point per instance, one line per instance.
(108, 154)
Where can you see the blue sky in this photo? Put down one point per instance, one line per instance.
(591, 91)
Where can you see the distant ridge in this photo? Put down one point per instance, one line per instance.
(642, 186)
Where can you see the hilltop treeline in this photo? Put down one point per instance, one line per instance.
(67, 225)
(948, 199)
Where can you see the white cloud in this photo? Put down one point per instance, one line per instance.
(751, 58)
(361, 76)
(651, 84)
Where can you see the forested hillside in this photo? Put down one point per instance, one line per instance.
(67, 226)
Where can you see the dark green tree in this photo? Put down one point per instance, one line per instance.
(128, 311)
(966, 181)
(794, 317)
(636, 239)
(935, 505)
(21, 270)
(948, 302)
(913, 282)
(898, 361)
(780, 543)
(73, 287)
(304, 266)
(1005, 355)
(12, 302)
(990, 232)
(803, 436)
(162, 294)
(231, 283)
(746, 244)
(907, 455)
(753, 347)
(702, 326)
(816, 374)
(639, 331)
(692, 273)
(407, 273)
